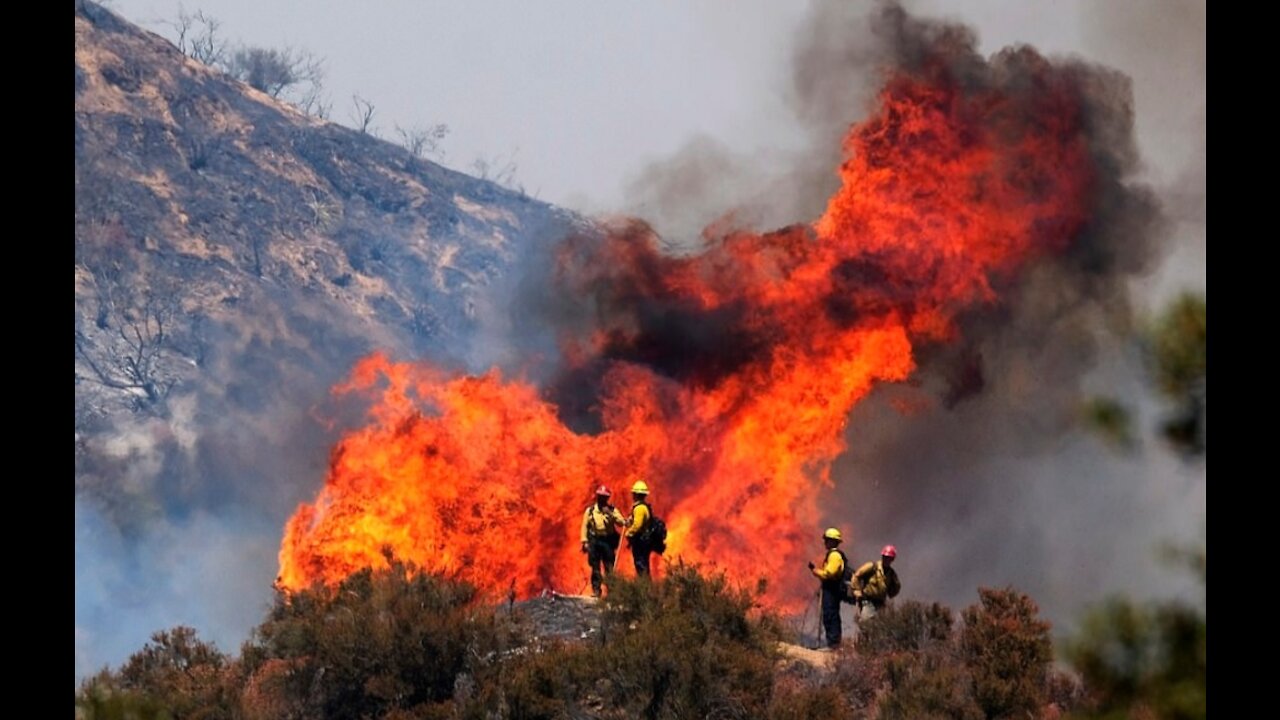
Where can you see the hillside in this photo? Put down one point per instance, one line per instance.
(234, 256)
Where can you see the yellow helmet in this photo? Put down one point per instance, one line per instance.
(833, 534)
(640, 488)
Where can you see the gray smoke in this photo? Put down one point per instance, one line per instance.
(211, 571)
(980, 468)
(1162, 46)
(835, 71)
(989, 477)
(178, 517)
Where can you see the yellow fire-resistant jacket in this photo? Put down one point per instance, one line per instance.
(833, 568)
(597, 522)
(877, 582)
(639, 516)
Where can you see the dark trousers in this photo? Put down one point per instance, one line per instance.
(831, 615)
(601, 556)
(640, 553)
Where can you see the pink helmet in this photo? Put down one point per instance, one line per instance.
(603, 490)
(889, 551)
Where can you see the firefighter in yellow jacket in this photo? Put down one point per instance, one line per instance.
(831, 574)
(875, 582)
(600, 536)
(636, 537)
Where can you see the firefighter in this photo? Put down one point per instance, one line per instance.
(636, 537)
(600, 537)
(874, 583)
(831, 575)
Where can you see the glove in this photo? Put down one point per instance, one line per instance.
(812, 566)
(584, 547)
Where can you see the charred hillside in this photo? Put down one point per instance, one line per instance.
(233, 256)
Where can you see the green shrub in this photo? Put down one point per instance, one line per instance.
(382, 641)
(688, 646)
(1137, 659)
(175, 675)
(927, 686)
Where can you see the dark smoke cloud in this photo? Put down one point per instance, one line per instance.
(1162, 46)
(979, 468)
(676, 337)
(980, 472)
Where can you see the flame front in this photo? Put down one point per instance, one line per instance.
(724, 378)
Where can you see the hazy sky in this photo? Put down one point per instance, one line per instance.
(584, 93)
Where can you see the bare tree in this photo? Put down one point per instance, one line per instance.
(424, 141)
(198, 36)
(361, 114)
(323, 213)
(274, 71)
(289, 74)
(181, 25)
(315, 103)
(134, 349)
(500, 170)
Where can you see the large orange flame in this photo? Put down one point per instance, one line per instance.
(723, 378)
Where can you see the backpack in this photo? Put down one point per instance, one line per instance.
(846, 581)
(654, 533)
(882, 585)
(611, 535)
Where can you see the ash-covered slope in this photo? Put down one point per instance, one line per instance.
(234, 255)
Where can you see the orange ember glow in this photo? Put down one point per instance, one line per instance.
(724, 378)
